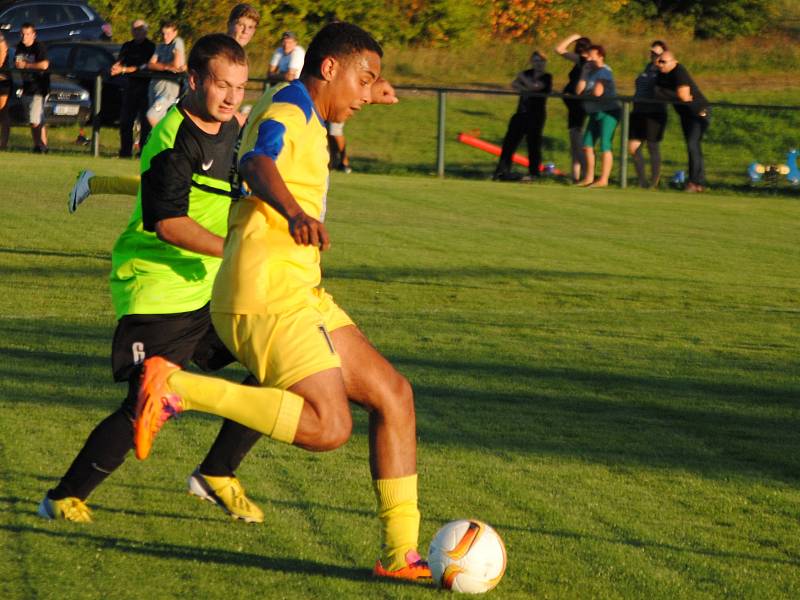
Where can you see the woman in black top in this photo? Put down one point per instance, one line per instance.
(648, 120)
(576, 115)
(529, 119)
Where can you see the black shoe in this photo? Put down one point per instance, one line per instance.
(506, 176)
(40, 150)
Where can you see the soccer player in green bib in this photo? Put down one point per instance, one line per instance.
(163, 267)
(268, 307)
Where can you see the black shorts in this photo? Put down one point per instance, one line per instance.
(576, 115)
(648, 126)
(179, 337)
(5, 87)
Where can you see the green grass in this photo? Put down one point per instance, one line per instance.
(610, 379)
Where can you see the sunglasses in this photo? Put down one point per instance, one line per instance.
(662, 62)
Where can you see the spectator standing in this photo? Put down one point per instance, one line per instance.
(133, 58)
(576, 115)
(675, 83)
(169, 57)
(529, 119)
(31, 56)
(648, 120)
(242, 23)
(604, 111)
(5, 93)
(287, 61)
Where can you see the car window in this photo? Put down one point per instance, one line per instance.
(52, 15)
(19, 15)
(58, 56)
(76, 13)
(92, 59)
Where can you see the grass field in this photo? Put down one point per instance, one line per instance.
(609, 378)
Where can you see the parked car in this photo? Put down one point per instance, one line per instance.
(67, 103)
(55, 21)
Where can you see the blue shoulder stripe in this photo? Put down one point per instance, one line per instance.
(269, 142)
(295, 93)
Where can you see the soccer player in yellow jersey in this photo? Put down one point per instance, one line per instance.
(268, 308)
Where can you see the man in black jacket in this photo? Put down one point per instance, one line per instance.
(133, 57)
(675, 83)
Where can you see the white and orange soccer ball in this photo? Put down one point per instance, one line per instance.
(467, 556)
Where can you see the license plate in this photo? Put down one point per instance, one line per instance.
(66, 109)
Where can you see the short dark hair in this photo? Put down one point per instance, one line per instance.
(339, 40)
(215, 45)
(599, 49)
(659, 43)
(170, 23)
(582, 45)
(243, 11)
(27, 25)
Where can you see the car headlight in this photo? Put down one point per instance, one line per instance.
(84, 95)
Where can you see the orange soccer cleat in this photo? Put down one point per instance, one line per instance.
(155, 404)
(415, 568)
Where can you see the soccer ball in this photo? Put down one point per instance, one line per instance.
(467, 556)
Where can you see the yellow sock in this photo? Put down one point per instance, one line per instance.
(271, 411)
(125, 186)
(399, 517)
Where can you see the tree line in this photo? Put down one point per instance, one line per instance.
(445, 22)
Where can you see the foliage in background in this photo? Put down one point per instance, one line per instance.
(706, 18)
(452, 22)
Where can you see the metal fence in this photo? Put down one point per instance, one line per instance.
(740, 134)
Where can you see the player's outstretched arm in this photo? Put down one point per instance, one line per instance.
(262, 177)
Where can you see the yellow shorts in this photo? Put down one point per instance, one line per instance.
(283, 348)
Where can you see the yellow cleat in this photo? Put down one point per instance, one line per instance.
(227, 493)
(67, 509)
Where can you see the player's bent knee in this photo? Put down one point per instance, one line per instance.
(398, 401)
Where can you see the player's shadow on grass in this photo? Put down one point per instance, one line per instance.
(104, 256)
(200, 554)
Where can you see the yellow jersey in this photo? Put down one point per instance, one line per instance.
(263, 270)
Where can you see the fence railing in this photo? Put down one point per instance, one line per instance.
(625, 101)
(443, 94)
